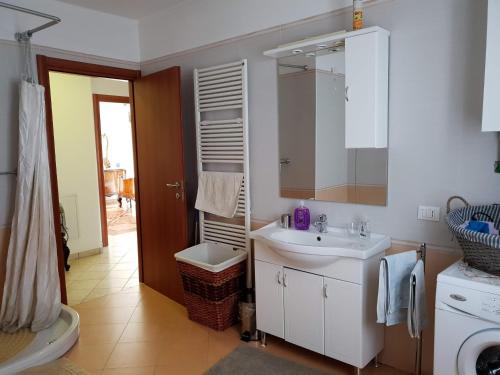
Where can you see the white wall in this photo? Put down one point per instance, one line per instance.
(196, 23)
(436, 147)
(81, 30)
(115, 87)
(76, 160)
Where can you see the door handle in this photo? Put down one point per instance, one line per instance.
(284, 279)
(176, 185)
(347, 93)
(325, 290)
(278, 275)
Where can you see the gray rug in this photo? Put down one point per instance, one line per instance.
(250, 361)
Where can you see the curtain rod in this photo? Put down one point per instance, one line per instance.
(28, 33)
(8, 173)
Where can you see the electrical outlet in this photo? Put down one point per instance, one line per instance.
(428, 213)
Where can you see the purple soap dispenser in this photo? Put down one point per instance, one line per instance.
(302, 217)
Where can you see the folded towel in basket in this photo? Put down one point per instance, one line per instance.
(393, 296)
(218, 193)
(417, 307)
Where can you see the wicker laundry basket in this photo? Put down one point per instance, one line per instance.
(481, 250)
(212, 297)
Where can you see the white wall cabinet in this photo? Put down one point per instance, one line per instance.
(366, 90)
(330, 310)
(491, 109)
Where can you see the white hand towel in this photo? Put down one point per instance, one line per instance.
(218, 193)
(394, 276)
(417, 308)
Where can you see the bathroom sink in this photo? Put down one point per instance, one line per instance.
(318, 249)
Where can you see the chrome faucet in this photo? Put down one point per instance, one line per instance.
(321, 224)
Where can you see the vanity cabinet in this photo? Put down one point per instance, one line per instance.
(330, 310)
(366, 90)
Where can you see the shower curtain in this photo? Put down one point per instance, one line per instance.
(31, 295)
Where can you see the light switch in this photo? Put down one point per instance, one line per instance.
(428, 213)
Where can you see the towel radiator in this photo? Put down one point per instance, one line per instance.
(221, 113)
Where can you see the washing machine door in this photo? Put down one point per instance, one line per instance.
(480, 354)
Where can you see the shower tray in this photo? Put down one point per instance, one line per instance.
(48, 345)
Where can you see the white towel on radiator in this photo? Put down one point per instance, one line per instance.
(417, 308)
(218, 192)
(393, 296)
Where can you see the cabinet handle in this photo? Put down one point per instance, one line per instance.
(278, 275)
(284, 279)
(347, 93)
(325, 290)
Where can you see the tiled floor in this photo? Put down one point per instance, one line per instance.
(139, 331)
(98, 275)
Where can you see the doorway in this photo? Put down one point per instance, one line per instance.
(155, 113)
(95, 177)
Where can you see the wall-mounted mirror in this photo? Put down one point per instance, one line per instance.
(314, 162)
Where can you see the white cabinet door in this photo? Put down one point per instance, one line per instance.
(343, 321)
(304, 309)
(269, 298)
(366, 90)
(491, 109)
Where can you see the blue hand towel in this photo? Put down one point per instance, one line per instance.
(393, 293)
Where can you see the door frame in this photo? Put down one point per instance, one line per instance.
(45, 65)
(96, 99)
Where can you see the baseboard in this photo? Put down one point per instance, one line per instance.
(86, 253)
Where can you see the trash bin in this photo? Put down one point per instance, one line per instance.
(248, 322)
(213, 278)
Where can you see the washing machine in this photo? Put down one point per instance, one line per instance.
(467, 324)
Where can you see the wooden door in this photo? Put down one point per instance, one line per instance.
(160, 171)
(269, 298)
(304, 309)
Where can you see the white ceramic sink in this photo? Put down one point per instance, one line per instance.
(318, 249)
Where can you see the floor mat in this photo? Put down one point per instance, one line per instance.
(250, 361)
(120, 220)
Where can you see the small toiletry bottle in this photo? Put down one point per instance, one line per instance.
(364, 229)
(302, 217)
(357, 15)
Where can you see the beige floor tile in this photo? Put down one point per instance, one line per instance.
(132, 282)
(120, 274)
(105, 315)
(83, 284)
(129, 371)
(143, 332)
(101, 333)
(86, 275)
(137, 354)
(125, 266)
(97, 293)
(102, 267)
(109, 282)
(90, 356)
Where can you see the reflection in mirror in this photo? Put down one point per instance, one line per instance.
(314, 162)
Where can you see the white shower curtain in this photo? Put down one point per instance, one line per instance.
(31, 296)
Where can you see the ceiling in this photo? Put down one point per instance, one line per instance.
(134, 9)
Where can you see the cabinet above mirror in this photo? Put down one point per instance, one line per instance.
(332, 98)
